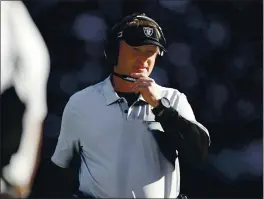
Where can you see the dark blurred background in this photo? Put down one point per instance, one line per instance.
(214, 57)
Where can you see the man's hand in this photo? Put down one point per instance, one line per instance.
(12, 191)
(147, 88)
(16, 191)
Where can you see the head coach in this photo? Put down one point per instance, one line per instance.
(129, 132)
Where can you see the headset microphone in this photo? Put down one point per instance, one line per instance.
(125, 77)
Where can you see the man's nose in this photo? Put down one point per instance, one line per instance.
(141, 59)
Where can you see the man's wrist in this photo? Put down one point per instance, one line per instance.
(156, 103)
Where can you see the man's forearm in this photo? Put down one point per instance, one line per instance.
(193, 141)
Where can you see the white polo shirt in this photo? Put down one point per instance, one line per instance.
(120, 156)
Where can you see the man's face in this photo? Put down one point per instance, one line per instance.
(140, 59)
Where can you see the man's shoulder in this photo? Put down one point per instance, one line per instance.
(89, 93)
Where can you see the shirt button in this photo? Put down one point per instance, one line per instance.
(126, 111)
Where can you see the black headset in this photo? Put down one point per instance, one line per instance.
(111, 46)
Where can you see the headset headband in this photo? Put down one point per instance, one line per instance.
(130, 18)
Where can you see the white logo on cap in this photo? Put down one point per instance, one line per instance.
(148, 31)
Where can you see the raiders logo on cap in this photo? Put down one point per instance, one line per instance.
(148, 31)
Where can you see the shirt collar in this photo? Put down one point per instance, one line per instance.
(109, 93)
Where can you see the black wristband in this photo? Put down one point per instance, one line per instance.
(164, 103)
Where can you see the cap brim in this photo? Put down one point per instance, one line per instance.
(134, 42)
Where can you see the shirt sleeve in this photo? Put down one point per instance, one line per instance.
(185, 110)
(68, 140)
(184, 134)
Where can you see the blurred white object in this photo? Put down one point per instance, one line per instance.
(25, 65)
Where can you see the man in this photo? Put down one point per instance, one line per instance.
(127, 130)
(24, 72)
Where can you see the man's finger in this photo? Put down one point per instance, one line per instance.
(140, 86)
(140, 83)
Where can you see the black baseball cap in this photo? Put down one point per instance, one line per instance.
(141, 35)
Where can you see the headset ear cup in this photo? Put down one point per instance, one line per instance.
(112, 51)
(112, 45)
(108, 48)
(116, 52)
